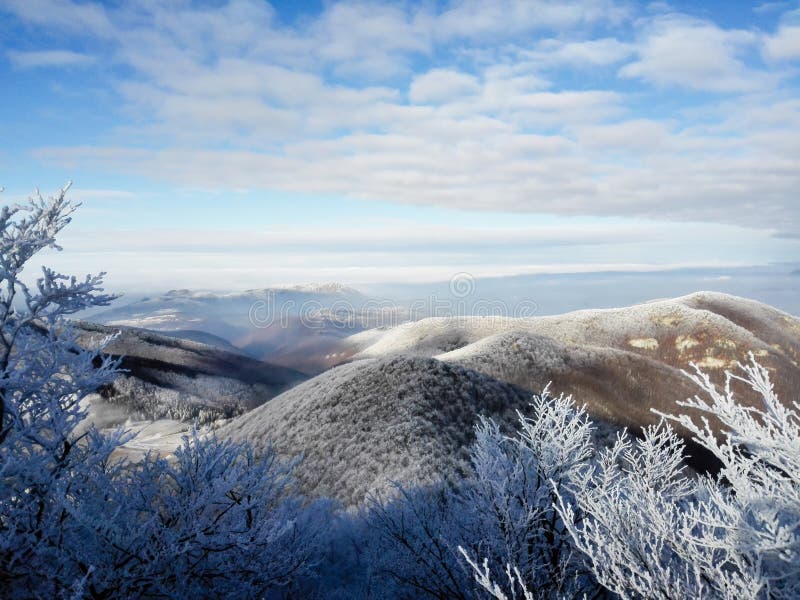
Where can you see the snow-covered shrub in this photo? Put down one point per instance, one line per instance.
(504, 511)
(649, 530)
(213, 522)
(652, 532)
(414, 553)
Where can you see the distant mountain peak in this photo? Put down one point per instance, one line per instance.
(329, 288)
(324, 288)
(320, 288)
(183, 292)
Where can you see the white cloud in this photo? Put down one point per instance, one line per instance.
(48, 58)
(439, 85)
(389, 253)
(501, 130)
(784, 45)
(632, 137)
(679, 51)
(727, 176)
(767, 7)
(371, 39)
(583, 54)
(479, 19)
(399, 238)
(64, 16)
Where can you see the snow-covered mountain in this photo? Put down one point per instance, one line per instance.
(404, 404)
(711, 329)
(621, 362)
(404, 408)
(660, 329)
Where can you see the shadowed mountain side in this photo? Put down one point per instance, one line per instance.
(360, 425)
(300, 327)
(308, 347)
(181, 379)
(616, 386)
(321, 351)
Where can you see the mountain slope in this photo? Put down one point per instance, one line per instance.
(300, 327)
(362, 424)
(181, 379)
(712, 330)
(618, 386)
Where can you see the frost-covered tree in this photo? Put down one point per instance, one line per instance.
(27, 313)
(517, 481)
(78, 520)
(651, 531)
(43, 376)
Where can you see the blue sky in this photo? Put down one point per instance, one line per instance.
(242, 144)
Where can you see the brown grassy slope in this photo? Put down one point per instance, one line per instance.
(616, 385)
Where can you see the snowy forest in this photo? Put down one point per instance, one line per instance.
(542, 513)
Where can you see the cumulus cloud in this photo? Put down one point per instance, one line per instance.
(665, 174)
(679, 51)
(784, 45)
(582, 54)
(371, 39)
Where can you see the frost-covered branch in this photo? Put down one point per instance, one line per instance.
(25, 230)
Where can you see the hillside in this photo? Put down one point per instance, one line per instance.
(710, 329)
(618, 386)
